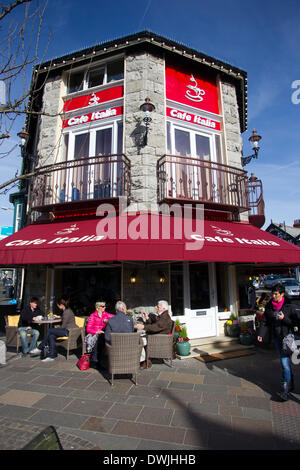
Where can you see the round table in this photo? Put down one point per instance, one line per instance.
(47, 323)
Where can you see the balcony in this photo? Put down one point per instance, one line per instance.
(256, 202)
(76, 181)
(219, 187)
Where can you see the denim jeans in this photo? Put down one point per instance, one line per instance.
(50, 339)
(24, 340)
(285, 361)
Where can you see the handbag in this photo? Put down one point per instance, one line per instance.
(45, 352)
(84, 362)
(288, 344)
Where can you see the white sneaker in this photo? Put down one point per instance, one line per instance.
(48, 359)
(35, 351)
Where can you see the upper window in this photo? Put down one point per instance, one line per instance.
(85, 79)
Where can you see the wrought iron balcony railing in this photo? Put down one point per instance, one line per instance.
(217, 186)
(256, 202)
(92, 178)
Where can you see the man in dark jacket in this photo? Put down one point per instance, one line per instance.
(279, 319)
(28, 315)
(161, 323)
(120, 323)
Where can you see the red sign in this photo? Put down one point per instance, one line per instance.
(95, 116)
(193, 118)
(188, 87)
(93, 99)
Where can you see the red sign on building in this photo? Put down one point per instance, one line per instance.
(191, 88)
(93, 99)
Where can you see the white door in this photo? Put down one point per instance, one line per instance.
(201, 317)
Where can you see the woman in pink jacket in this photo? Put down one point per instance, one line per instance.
(95, 329)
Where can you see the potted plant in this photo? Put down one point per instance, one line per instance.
(177, 330)
(232, 327)
(246, 335)
(183, 346)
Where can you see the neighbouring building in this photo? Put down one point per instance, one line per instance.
(285, 232)
(140, 205)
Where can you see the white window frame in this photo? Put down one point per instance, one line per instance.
(92, 130)
(96, 66)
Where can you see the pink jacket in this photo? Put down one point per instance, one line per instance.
(95, 323)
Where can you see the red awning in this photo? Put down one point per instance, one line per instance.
(144, 237)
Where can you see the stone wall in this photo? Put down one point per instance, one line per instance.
(232, 130)
(50, 126)
(144, 77)
(233, 137)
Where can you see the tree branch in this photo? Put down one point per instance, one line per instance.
(7, 9)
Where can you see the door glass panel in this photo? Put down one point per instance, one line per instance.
(199, 286)
(104, 141)
(82, 146)
(202, 147)
(103, 185)
(177, 289)
(182, 143)
(183, 148)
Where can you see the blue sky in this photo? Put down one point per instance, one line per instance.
(260, 37)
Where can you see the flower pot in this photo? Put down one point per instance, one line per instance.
(233, 330)
(183, 348)
(246, 339)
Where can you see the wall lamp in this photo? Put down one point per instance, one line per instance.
(254, 139)
(133, 278)
(147, 109)
(162, 277)
(24, 136)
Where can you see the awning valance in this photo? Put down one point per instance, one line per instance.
(144, 237)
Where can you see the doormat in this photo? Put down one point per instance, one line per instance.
(225, 355)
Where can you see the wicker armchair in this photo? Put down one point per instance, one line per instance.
(76, 336)
(11, 329)
(160, 346)
(124, 352)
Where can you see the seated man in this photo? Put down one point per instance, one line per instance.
(120, 323)
(161, 324)
(28, 314)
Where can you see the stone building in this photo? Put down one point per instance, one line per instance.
(102, 163)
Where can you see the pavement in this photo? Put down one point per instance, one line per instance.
(228, 404)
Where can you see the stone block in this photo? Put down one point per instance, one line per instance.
(2, 352)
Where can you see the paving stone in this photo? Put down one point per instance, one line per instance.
(184, 378)
(252, 426)
(128, 412)
(88, 407)
(155, 402)
(194, 438)
(153, 415)
(158, 445)
(98, 424)
(20, 412)
(56, 418)
(49, 380)
(254, 402)
(21, 398)
(228, 410)
(220, 398)
(147, 431)
(51, 402)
